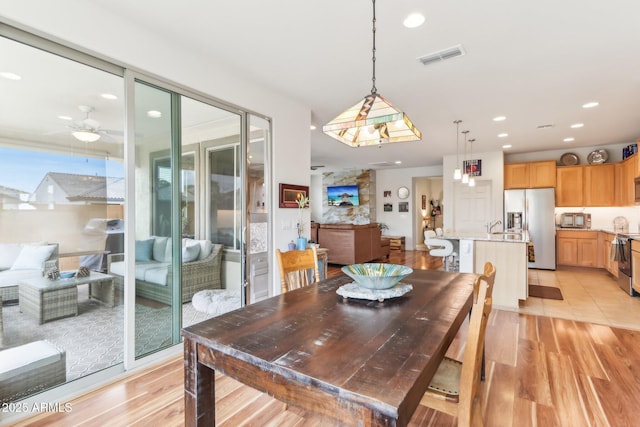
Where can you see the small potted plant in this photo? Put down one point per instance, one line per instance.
(302, 200)
(382, 226)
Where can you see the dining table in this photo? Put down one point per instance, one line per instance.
(355, 361)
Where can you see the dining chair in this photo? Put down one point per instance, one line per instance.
(489, 276)
(454, 387)
(298, 268)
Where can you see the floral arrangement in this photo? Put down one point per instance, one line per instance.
(302, 200)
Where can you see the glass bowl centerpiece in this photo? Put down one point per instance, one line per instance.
(377, 275)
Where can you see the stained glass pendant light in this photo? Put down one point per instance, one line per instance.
(457, 172)
(373, 120)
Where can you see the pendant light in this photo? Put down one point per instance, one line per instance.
(465, 175)
(457, 172)
(374, 120)
(472, 179)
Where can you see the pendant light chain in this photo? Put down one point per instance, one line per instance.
(457, 122)
(374, 90)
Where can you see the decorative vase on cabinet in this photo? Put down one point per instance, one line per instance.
(302, 243)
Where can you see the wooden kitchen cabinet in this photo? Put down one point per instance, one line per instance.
(569, 186)
(635, 265)
(606, 260)
(579, 248)
(530, 175)
(599, 185)
(625, 172)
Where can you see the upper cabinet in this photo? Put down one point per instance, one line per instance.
(569, 186)
(530, 175)
(599, 185)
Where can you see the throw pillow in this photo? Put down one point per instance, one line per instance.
(190, 251)
(8, 254)
(144, 250)
(33, 257)
(205, 248)
(160, 248)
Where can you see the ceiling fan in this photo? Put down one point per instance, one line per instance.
(88, 129)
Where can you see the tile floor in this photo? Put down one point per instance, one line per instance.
(590, 295)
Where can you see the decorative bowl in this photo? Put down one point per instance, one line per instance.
(67, 274)
(377, 276)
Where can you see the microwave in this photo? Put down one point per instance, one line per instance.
(575, 220)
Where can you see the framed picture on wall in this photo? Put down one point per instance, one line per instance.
(473, 167)
(424, 202)
(388, 207)
(289, 194)
(387, 193)
(403, 206)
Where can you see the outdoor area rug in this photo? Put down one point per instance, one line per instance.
(547, 292)
(93, 340)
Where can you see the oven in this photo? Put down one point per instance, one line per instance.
(623, 256)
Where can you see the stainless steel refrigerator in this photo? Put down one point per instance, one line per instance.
(532, 210)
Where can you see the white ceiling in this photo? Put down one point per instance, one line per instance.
(534, 62)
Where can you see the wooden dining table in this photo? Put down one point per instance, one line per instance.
(360, 362)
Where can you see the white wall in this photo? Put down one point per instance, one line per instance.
(113, 37)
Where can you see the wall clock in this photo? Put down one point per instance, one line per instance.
(403, 192)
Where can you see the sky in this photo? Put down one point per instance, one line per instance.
(24, 169)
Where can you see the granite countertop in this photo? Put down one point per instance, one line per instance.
(493, 237)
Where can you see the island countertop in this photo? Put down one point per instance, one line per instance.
(513, 237)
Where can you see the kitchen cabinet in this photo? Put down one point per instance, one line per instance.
(579, 248)
(599, 185)
(625, 172)
(530, 175)
(569, 186)
(604, 246)
(635, 265)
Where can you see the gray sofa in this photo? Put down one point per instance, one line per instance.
(154, 271)
(20, 261)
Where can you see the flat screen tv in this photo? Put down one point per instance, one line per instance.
(343, 195)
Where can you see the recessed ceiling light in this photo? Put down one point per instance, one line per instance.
(312, 127)
(398, 162)
(109, 96)
(67, 118)
(503, 135)
(414, 20)
(577, 125)
(570, 139)
(507, 146)
(590, 104)
(499, 118)
(154, 114)
(10, 76)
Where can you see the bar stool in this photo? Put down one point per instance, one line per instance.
(443, 248)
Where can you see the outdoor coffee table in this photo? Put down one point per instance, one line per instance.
(52, 299)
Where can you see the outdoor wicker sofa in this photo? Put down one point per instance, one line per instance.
(20, 261)
(197, 275)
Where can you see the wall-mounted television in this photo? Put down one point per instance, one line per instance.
(343, 195)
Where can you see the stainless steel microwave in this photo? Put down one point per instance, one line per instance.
(575, 220)
(636, 190)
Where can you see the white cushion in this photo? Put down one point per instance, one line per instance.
(33, 257)
(190, 251)
(153, 272)
(8, 254)
(205, 248)
(13, 277)
(216, 301)
(19, 360)
(117, 268)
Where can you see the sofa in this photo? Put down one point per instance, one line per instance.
(201, 263)
(352, 244)
(20, 261)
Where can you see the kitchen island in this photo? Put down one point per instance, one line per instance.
(508, 252)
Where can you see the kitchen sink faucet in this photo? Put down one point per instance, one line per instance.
(490, 225)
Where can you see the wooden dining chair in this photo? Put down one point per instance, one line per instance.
(454, 387)
(489, 276)
(297, 268)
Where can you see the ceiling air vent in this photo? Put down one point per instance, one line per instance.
(547, 126)
(441, 55)
(383, 163)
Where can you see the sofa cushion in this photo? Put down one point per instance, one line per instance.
(161, 248)
(8, 254)
(153, 272)
(13, 277)
(190, 251)
(19, 360)
(144, 250)
(33, 257)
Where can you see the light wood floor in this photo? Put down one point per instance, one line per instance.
(541, 371)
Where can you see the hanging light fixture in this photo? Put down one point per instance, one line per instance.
(374, 120)
(465, 174)
(472, 179)
(85, 135)
(457, 173)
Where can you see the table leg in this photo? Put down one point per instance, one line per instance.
(103, 291)
(199, 389)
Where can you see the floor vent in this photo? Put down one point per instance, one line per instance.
(441, 55)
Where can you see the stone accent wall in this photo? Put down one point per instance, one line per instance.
(365, 213)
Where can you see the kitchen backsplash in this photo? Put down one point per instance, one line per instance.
(602, 218)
